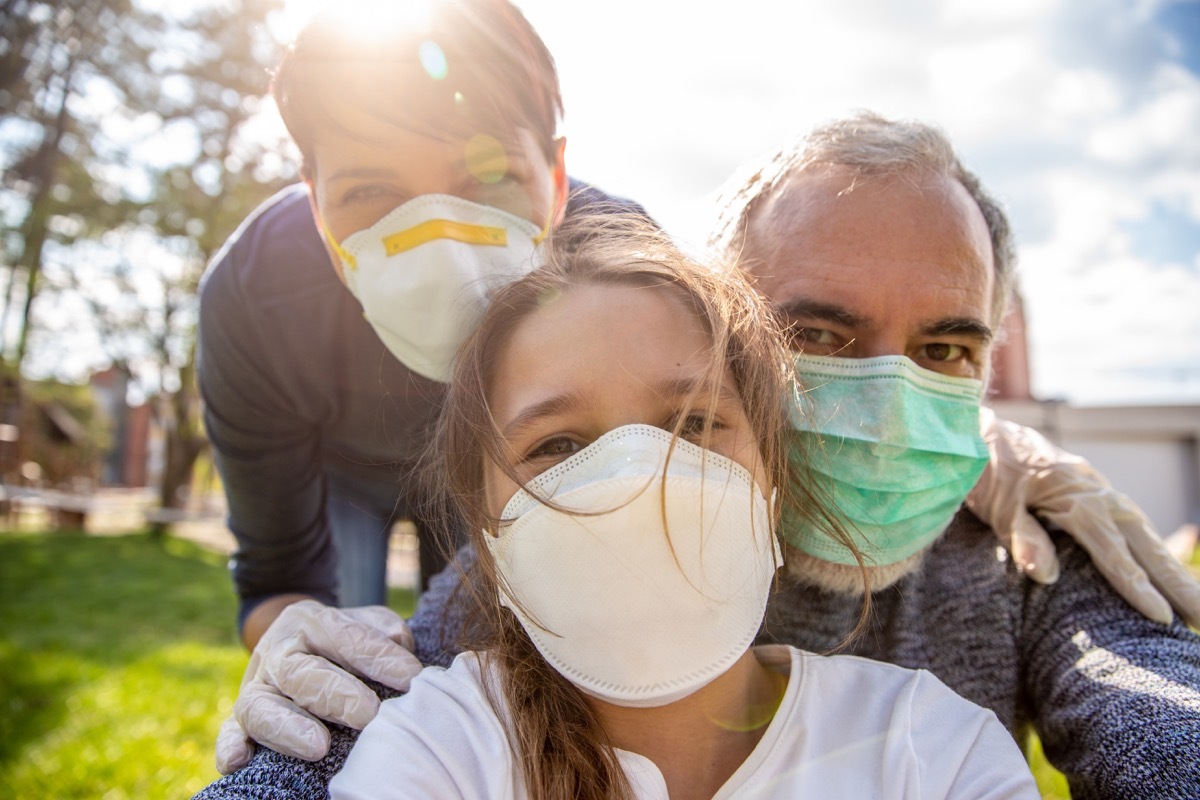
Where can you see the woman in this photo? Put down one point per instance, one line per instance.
(611, 437)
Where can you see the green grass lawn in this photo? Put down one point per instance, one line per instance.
(118, 662)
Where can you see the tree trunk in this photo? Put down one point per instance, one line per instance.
(45, 169)
(185, 441)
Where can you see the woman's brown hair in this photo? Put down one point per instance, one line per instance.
(477, 64)
(558, 738)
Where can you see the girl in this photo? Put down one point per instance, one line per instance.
(612, 437)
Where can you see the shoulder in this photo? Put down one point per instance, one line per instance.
(443, 738)
(1083, 637)
(882, 694)
(877, 684)
(273, 776)
(1084, 607)
(588, 199)
(917, 733)
(279, 237)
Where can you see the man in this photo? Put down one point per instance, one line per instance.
(834, 231)
(864, 212)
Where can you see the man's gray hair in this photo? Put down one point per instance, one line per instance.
(870, 146)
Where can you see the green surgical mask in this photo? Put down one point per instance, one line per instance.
(897, 447)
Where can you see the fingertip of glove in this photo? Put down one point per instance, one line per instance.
(311, 743)
(360, 713)
(1159, 610)
(1045, 574)
(231, 759)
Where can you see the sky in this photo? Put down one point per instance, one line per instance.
(1083, 118)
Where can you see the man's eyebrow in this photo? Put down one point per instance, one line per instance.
(825, 312)
(959, 326)
(552, 406)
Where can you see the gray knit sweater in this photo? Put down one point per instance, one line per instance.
(1114, 697)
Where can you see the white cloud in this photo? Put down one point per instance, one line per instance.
(1165, 125)
(1080, 116)
(1074, 95)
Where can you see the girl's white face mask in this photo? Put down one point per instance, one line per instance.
(424, 274)
(657, 583)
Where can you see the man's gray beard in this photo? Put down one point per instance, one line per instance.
(847, 579)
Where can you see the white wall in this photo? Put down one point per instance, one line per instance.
(1150, 453)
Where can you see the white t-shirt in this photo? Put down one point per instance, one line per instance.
(847, 728)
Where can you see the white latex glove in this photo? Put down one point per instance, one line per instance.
(1027, 471)
(294, 677)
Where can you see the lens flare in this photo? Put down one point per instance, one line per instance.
(433, 60)
(374, 22)
(487, 158)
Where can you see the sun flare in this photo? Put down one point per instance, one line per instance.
(370, 20)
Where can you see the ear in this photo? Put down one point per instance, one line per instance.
(562, 183)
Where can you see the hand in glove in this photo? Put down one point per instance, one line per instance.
(1027, 471)
(296, 676)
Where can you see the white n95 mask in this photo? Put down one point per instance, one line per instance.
(424, 273)
(628, 610)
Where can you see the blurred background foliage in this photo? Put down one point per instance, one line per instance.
(134, 136)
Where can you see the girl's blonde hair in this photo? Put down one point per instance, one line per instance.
(563, 748)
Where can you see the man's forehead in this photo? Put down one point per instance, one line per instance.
(836, 238)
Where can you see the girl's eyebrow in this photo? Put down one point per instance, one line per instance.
(682, 387)
(572, 401)
(550, 407)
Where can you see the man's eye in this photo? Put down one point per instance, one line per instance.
(944, 352)
(804, 338)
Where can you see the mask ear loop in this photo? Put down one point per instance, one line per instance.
(347, 259)
(553, 212)
(541, 237)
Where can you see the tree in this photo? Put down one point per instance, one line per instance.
(136, 155)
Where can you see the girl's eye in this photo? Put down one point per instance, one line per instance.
(695, 426)
(557, 447)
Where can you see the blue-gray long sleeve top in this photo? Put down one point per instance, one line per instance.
(302, 398)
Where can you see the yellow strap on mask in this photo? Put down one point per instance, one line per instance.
(430, 230)
(541, 237)
(444, 229)
(347, 259)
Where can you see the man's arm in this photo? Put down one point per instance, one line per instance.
(267, 453)
(1028, 475)
(1114, 696)
(289, 683)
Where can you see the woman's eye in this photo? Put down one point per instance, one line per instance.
(368, 193)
